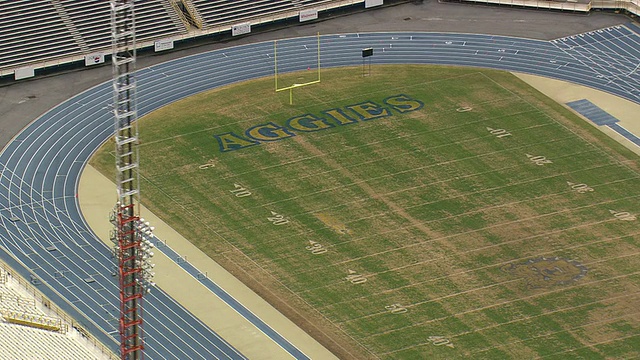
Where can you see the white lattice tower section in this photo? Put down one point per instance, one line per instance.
(125, 217)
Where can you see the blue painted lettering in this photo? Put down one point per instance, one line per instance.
(369, 110)
(308, 122)
(403, 103)
(340, 117)
(230, 141)
(268, 132)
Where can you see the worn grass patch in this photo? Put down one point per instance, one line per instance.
(487, 223)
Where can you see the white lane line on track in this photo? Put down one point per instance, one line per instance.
(358, 35)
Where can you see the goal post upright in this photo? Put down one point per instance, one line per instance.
(291, 87)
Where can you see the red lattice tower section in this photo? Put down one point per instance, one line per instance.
(131, 290)
(130, 234)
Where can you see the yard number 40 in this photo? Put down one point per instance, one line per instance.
(539, 160)
(440, 341)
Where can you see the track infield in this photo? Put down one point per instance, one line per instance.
(419, 212)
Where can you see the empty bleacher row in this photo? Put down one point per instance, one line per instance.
(14, 301)
(43, 33)
(32, 31)
(92, 19)
(21, 342)
(222, 12)
(18, 308)
(26, 332)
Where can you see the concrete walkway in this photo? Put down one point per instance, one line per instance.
(624, 110)
(97, 195)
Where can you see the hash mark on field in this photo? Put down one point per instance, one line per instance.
(471, 250)
(500, 304)
(408, 136)
(606, 154)
(325, 190)
(366, 187)
(454, 216)
(547, 334)
(468, 271)
(377, 159)
(593, 345)
(524, 219)
(453, 197)
(482, 288)
(408, 306)
(330, 102)
(467, 213)
(361, 181)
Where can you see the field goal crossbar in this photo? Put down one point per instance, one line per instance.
(290, 88)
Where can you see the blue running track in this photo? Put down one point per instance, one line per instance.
(44, 235)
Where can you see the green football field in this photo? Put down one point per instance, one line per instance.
(420, 212)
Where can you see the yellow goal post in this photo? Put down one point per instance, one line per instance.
(290, 88)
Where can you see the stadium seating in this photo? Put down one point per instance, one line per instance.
(221, 12)
(92, 19)
(224, 12)
(32, 31)
(14, 301)
(26, 332)
(22, 342)
(39, 32)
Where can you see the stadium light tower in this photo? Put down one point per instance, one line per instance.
(130, 234)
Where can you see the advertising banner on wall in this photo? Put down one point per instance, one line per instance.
(93, 59)
(162, 45)
(372, 3)
(307, 15)
(240, 29)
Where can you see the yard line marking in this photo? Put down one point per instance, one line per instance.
(328, 102)
(496, 207)
(483, 248)
(364, 181)
(593, 323)
(472, 270)
(417, 169)
(412, 135)
(431, 202)
(593, 345)
(475, 249)
(606, 155)
(378, 313)
(582, 284)
(419, 186)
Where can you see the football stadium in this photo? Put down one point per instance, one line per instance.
(189, 179)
